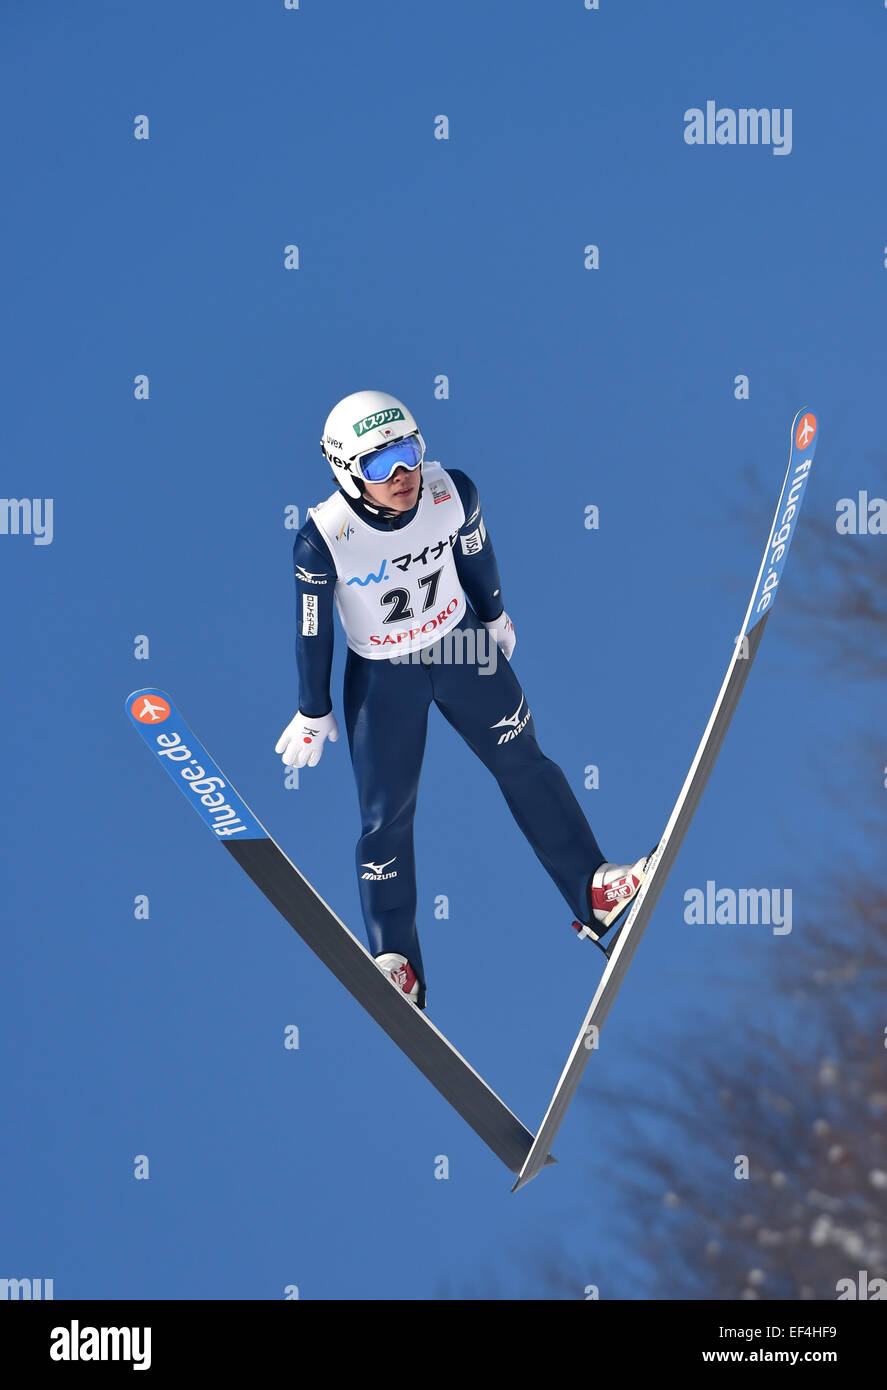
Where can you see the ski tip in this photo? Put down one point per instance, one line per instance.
(148, 706)
(805, 429)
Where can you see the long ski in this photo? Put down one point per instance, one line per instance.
(248, 842)
(804, 433)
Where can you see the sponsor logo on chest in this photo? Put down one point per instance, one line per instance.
(429, 554)
(409, 634)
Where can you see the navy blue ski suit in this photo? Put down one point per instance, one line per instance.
(386, 706)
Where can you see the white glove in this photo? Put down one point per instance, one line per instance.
(502, 630)
(301, 742)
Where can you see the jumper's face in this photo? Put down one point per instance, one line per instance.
(400, 492)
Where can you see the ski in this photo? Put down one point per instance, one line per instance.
(226, 813)
(804, 433)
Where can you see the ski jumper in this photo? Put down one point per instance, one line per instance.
(408, 589)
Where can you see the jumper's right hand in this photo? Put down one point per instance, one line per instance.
(301, 742)
(501, 630)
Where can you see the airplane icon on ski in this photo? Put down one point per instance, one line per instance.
(151, 713)
(806, 431)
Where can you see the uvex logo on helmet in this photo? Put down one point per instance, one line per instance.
(381, 417)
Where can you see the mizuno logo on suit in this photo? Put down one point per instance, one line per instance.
(512, 724)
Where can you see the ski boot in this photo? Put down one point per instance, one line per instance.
(611, 890)
(400, 973)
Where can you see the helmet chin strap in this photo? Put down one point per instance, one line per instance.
(376, 510)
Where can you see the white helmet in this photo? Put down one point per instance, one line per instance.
(360, 424)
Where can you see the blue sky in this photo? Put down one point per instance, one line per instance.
(568, 388)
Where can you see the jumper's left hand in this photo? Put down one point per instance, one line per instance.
(502, 630)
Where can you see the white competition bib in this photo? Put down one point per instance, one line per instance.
(396, 591)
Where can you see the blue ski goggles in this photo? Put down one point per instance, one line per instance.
(379, 465)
